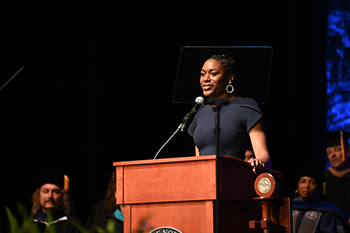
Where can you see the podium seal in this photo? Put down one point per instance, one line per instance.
(265, 185)
(165, 230)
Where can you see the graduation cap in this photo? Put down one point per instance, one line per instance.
(53, 177)
(334, 138)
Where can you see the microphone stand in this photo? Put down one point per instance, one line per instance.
(167, 142)
(184, 125)
(11, 78)
(218, 102)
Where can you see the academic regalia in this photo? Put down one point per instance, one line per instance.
(316, 217)
(99, 216)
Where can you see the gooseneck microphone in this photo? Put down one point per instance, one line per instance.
(199, 101)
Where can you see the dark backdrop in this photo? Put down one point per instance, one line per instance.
(98, 79)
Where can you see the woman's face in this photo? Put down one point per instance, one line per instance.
(214, 79)
(307, 188)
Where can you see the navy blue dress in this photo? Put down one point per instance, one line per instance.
(236, 120)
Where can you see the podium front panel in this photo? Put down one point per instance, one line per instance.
(169, 181)
(192, 216)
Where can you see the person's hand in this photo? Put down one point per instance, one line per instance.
(256, 164)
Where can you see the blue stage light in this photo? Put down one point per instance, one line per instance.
(338, 67)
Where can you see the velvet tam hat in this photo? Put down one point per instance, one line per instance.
(53, 177)
(313, 173)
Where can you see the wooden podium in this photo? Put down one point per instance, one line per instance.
(181, 193)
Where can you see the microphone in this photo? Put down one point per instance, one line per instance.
(185, 122)
(199, 101)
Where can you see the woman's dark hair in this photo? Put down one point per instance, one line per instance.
(110, 202)
(227, 62)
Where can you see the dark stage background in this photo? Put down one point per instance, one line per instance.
(98, 78)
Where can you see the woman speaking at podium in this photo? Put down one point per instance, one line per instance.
(240, 120)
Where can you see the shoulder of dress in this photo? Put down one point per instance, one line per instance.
(249, 103)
